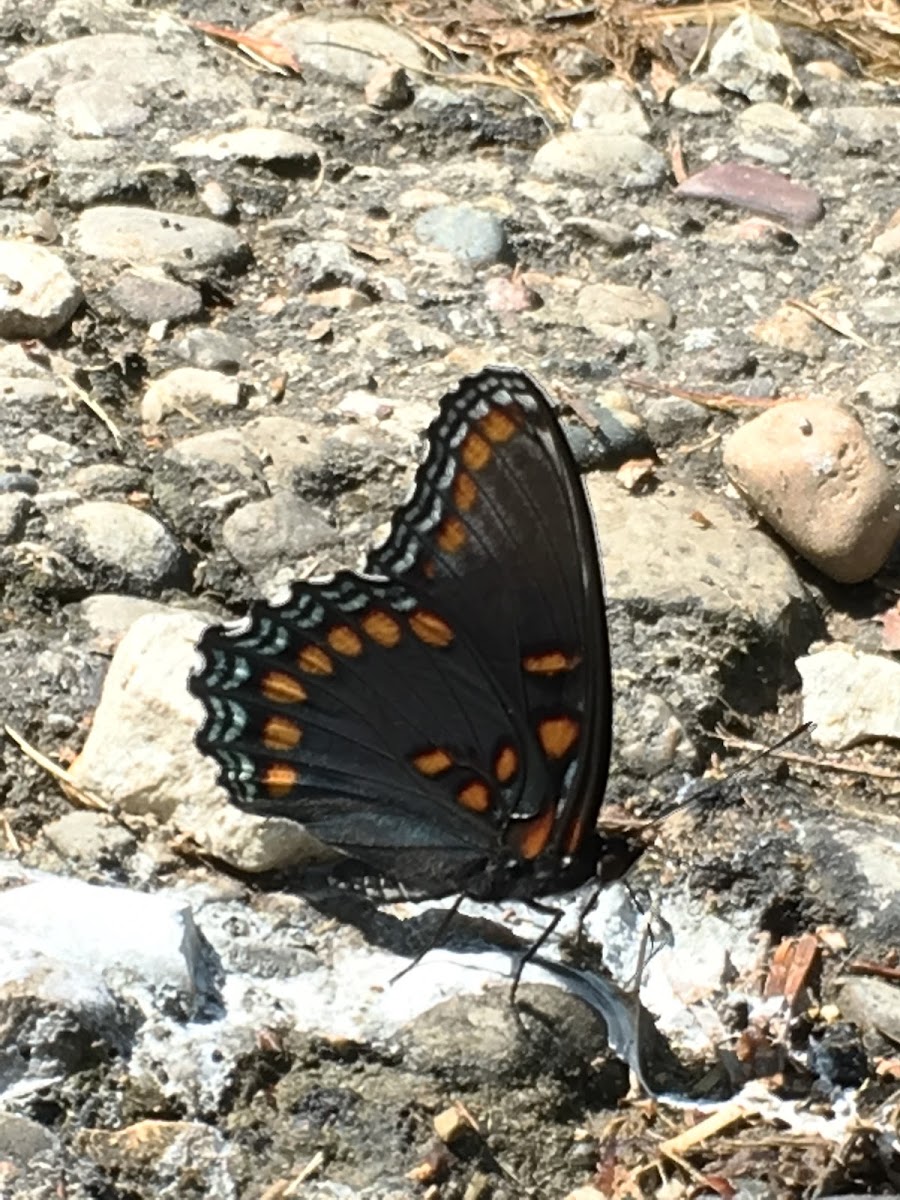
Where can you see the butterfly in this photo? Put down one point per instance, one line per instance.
(444, 716)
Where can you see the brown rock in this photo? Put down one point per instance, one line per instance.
(808, 468)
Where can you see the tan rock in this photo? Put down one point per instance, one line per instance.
(809, 470)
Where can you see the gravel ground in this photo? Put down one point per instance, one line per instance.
(230, 299)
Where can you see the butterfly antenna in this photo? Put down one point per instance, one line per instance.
(709, 789)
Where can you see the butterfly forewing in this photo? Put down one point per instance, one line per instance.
(448, 711)
(500, 511)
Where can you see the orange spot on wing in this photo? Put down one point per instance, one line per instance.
(344, 640)
(427, 567)
(430, 628)
(280, 733)
(500, 424)
(551, 663)
(558, 735)
(506, 764)
(279, 779)
(476, 796)
(464, 491)
(315, 661)
(281, 688)
(432, 762)
(475, 452)
(531, 837)
(451, 535)
(381, 628)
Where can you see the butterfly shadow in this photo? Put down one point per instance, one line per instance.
(633, 1033)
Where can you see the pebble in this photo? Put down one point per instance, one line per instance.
(351, 49)
(18, 481)
(148, 294)
(808, 469)
(121, 547)
(23, 136)
(156, 238)
(850, 696)
(882, 390)
(388, 88)
(695, 98)
(595, 158)
(757, 189)
(609, 106)
(864, 126)
(140, 752)
(276, 532)
(15, 508)
(882, 310)
(791, 329)
(187, 391)
(90, 839)
(176, 1153)
(254, 144)
(213, 349)
(474, 236)
(748, 58)
(887, 244)
(773, 134)
(38, 295)
(326, 264)
(99, 109)
(606, 306)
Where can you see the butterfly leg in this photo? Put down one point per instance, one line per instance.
(555, 915)
(436, 938)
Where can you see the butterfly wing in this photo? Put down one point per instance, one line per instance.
(444, 717)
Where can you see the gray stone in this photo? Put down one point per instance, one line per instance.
(213, 349)
(882, 310)
(15, 508)
(748, 58)
(347, 48)
(22, 1140)
(266, 534)
(588, 156)
(850, 696)
(474, 236)
(609, 106)
(696, 99)
(253, 144)
(18, 481)
(872, 1004)
(107, 479)
(719, 569)
(110, 615)
(100, 108)
(123, 548)
(864, 125)
(605, 306)
(772, 133)
(882, 390)
(148, 236)
(90, 839)
(123, 58)
(23, 136)
(326, 264)
(188, 390)
(148, 294)
(38, 296)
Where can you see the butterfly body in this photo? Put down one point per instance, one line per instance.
(444, 716)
